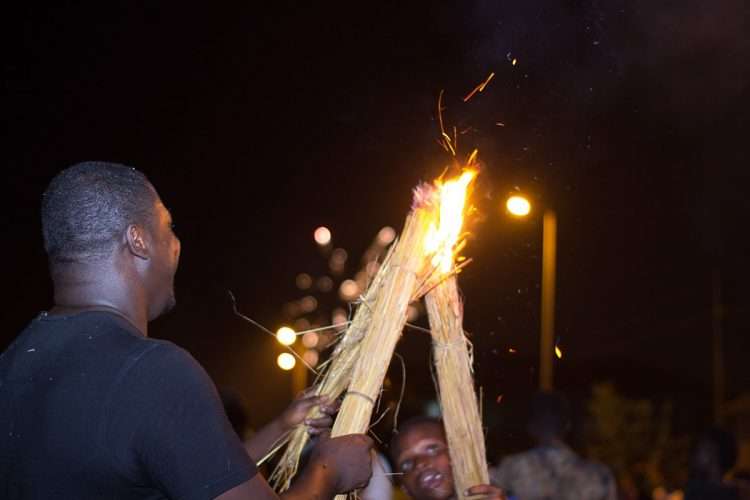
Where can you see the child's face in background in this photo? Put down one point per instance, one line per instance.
(424, 461)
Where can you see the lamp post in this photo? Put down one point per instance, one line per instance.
(521, 207)
(547, 340)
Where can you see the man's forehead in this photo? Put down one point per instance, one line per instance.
(162, 210)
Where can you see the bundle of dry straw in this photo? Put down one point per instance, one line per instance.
(400, 280)
(335, 376)
(404, 277)
(455, 385)
(417, 266)
(388, 320)
(414, 266)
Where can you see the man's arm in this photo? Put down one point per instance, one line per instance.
(296, 414)
(319, 485)
(186, 444)
(256, 488)
(337, 466)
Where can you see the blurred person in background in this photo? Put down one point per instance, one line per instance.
(551, 470)
(713, 457)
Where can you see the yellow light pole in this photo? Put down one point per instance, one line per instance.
(547, 340)
(519, 206)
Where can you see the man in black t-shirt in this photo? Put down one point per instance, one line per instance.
(92, 408)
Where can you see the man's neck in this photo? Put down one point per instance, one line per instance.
(81, 288)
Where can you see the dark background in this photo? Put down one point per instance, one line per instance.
(259, 123)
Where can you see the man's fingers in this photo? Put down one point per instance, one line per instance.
(489, 491)
(330, 407)
(317, 424)
(305, 393)
(311, 401)
(314, 431)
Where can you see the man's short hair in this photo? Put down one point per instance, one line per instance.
(87, 207)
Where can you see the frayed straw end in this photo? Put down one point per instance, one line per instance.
(424, 195)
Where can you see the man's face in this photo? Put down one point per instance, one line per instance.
(423, 459)
(165, 256)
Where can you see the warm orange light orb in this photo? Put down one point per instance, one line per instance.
(310, 340)
(322, 236)
(311, 357)
(339, 317)
(349, 290)
(518, 206)
(285, 335)
(286, 361)
(303, 281)
(386, 236)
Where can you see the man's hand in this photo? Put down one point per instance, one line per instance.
(337, 465)
(297, 413)
(345, 459)
(487, 492)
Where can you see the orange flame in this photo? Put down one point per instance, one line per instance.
(444, 233)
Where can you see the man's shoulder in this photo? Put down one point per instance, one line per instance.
(161, 376)
(111, 334)
(91, 342)
(163, 358)
(103, 343)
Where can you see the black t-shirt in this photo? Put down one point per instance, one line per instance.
(91, 409)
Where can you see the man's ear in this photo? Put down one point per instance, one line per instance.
(135, 239)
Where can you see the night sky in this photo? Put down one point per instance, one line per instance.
(258, 124)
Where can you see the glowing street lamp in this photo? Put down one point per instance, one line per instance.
(322, 236)
(286, 336)
(520, 206)
(286, 361)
